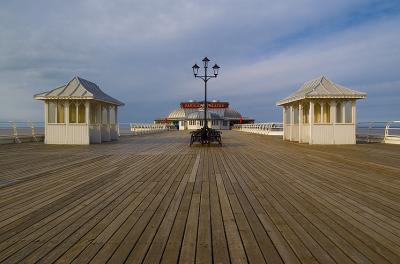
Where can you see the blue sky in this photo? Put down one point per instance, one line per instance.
(141, 52)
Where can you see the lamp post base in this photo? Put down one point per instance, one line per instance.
(206, 135)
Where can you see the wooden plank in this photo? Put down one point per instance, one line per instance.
(219, 242)
(154, 199)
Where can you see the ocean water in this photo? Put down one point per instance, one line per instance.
(24, 128)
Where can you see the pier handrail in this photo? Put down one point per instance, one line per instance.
(272, 128)
(391, 132)
(15, 130)
(149, 128)
(379, 131)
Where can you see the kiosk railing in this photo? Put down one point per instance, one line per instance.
(143, 128)
(379, 131)
(275, 129)
(374, 131)
(21, 131)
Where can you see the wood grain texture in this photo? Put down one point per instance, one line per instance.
(153, 199)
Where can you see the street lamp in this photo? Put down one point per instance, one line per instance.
(205, 135)
(195, 69)
(216, 69)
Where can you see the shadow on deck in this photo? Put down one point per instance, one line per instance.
(153, 198)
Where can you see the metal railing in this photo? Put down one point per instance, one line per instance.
(379, 131)
(17, 132)
(375, 131)
(143, 128)
(275, 129)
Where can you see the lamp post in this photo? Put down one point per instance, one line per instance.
(206, 77)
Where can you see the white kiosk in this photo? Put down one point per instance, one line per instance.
(321, 112)
(79, 113)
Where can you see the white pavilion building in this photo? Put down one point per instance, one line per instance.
(79, 113)
(190, 116)
(321, 112)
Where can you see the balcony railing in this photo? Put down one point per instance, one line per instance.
(25, 131)
(275, 129)
(143, 128)
(17, 132)
(379, 131)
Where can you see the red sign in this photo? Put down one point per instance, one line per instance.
(209, 105)
(191, 105)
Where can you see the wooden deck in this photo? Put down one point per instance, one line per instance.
(153, 199)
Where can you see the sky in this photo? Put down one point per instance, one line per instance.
(141, 52)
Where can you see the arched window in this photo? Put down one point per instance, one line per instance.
(112, 115)
(287, 115)
(98, 113)
(296, 114)
(327, 113)
(72, 113)
(104, 117)
(51, 113)
(317, 113)
(81, 113)
(60, 113)
(339, 113)
(348, 112)
(306, 113)
(93, 111)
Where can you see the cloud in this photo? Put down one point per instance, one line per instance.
(359, 54)
(142, 51)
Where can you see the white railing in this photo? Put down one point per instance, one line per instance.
(24, 131)
(17, 132)
(379, 131)
(275, 129)
(392, 132)
(143, 128)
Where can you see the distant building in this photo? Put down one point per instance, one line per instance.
(190, 115)
(321, 112)
(79, 113)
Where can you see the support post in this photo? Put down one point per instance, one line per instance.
(87, 112)
(15, 133)
(116, 120)
(322, 116)
(283, 121)
(108, 114)
(344, 112)
(66, 121)
(66, 113)
(291, 122)
(311, 119)
(46, 119)
(300, 121)
(353, 119)
(333, 119)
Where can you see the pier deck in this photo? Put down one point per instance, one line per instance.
(154, 199)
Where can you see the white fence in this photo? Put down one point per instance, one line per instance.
(143, 129)
(379, 131)
(17, 132)
(274, 129)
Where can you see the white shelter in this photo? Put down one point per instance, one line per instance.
(190, 115)
(79, 113)
(321, 112)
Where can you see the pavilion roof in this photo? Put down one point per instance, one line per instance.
(321, 87)
(78, 88)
